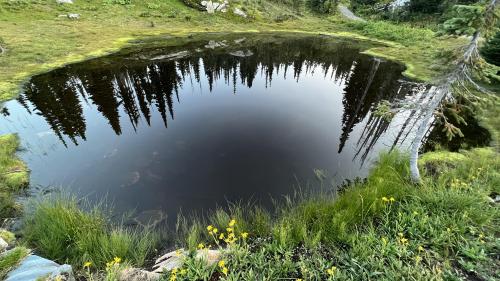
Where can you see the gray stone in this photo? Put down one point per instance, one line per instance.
(171, 56)
(239, 12)
(73, 16)
(175, 259)
(136, 274)
(213, 44)
(3, 245)
(34, 267)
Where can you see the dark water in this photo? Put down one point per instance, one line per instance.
(190, 127)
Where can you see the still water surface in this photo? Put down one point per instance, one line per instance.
(190, 127)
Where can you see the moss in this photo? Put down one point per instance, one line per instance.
(7, 236)
(13, 172)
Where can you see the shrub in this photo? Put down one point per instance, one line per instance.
(322, 6)
(491, 50)
(63, 231)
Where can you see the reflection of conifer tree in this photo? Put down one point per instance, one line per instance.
(58, 104)
(355, 105)
(142, 86)
(101, 91)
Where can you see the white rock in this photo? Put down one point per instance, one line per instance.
(3, 245)
(64, 1)
(239, 12)
(175, 259)
(73, 16)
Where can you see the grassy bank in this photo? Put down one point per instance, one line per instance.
(37, 38)
(383, 229)
(13, 175)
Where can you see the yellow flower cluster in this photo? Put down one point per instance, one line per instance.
(402, 240)
(115, 261)
(222, 266)
(331, 271)
(229, 237)
(456, 183)
(387, 200)
(175, 271)
(87, 264)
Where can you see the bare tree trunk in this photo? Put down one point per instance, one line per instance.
(440, 92)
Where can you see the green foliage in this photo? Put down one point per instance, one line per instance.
(491, 50)
(387, 31)
(62, 230)
(322, 6)
(196, 4)
(465, 20)
(10, 259)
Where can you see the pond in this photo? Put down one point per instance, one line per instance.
(209, 120)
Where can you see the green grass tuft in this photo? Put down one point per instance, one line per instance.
(10, 259)
(60, 229)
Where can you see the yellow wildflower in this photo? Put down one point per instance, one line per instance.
(173, 277)
(222, 263)
(210, 227)
(420, 249)
(392, 199)
(174, 270)
(215, 230)
(117, 260)
(221, 236)
(229, 229)
(232, 223)
(183, 272)
(201, 246)
(87, 264)
(244, 235)
(225, 270)
(331, 271)
(298, 279)
(385, 199)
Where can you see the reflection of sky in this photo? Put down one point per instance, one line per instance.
(220, 146)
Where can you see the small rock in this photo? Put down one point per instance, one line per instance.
(136, 274)
(177, 55)
(3, 245)
(239, 12)
(212, 44)
(64, 1)
(175, 259)
(73, 16)
(239, 41)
